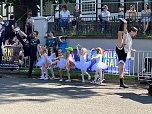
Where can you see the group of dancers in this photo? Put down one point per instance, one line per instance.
(61, 62)
(123, 48)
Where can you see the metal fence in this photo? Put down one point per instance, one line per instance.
(89, 26)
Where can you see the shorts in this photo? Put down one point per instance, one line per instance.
(121, 54)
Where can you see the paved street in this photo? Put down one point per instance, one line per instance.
(33, 96)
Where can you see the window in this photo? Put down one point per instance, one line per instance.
(113, 5)
(88, 6)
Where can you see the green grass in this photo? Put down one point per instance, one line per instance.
(75, 74)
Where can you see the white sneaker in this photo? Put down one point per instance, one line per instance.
(42, 78)
(93, 82)
(83, 81)
(61, 80)
(52, 78)
(68, 80)
(46, 78)
(89, 77)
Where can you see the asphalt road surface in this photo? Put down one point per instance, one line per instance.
(33, 96)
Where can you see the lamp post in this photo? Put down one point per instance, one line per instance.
(41, 8)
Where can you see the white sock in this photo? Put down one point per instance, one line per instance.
(82, 76)
(52, 72)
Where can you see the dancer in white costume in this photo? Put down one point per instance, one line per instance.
(83, 64)
(98, 66)
(51, 59)
(43, 63)
(61, 63)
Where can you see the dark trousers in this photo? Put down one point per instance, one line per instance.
(25, 47)
(33, 58)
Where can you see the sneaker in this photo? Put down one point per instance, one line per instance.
(122, 20)
(83, 81)
(123, 86)
(61, 80)
(42, 78)
(46, 78)
(52, 78)
(89, 77)
(67, 80)
(93, 82)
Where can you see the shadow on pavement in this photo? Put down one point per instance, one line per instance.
(18, 90)
(141, 98)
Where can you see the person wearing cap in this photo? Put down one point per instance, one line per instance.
(104, 17)
(69, 62)
(124, 47)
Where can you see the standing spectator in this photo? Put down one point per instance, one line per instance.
(121, 11)
(29, 23)
(146, 13)
(104, 17)
(76, 15)
(131, 14)
(64, 18)
(9, 32)
(52, 42)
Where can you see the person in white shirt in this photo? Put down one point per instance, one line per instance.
(104, 17)
(29, 23)
(64, 18)
(124, 47)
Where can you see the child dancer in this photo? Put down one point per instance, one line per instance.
(43, 63)
(61, 63)
(52, 62)
(98, 66)
(82, 64)
(69, 62)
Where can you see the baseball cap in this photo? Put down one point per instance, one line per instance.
(105, 6)
(69, 49)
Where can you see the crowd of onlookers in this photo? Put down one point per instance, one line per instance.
(104, 17)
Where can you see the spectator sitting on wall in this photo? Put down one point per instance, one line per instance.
(77, 16)
(131, 14)
(121, 11)
(104, 17)
(64, 18)
(146, 13)
(62, 44)
(9, 32)
(29, 23)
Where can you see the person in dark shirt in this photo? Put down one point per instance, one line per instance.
(33, 48)
(9, 33)
(52, 42)
(77, 18)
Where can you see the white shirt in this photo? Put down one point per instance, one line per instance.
(127, 42)
(105, 15)
(65, 15)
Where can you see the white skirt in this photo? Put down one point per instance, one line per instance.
(99, 65)
(41, 62)
(49, 58)
(82, 65)
(61, 63)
